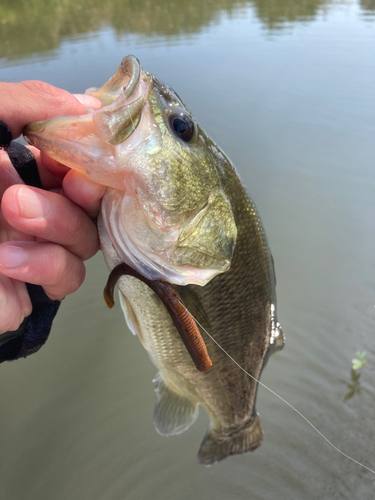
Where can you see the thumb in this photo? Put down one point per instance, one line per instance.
(33, 100)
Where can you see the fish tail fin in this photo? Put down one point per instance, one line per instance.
(216, 446)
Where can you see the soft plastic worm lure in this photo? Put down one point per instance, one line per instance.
(181, 317)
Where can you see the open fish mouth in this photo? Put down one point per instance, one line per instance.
(165, 213)
(85, 142)
(123, 105)
(124, 81)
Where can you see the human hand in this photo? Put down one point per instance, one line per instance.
(45, 235)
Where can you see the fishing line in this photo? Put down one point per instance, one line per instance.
(284, 401)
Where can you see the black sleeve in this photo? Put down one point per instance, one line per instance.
(34, 330)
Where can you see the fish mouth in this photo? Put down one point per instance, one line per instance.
(123, 105)
(123, 81)
(85, 143)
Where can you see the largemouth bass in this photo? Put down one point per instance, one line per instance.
(175, 210)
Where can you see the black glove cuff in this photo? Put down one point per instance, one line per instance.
(34, 330)
(5, 135)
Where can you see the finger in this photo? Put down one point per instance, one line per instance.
(47, 177)
(52, 217)
(31, 101)
(84, 192)
(89, 101)
(58, 271)
(8, 232)
(8, 174)
(51, 171)
(78, 188)
(8, 177)
(57, 169)
(15, 304)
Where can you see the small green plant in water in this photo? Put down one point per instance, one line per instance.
(360, 361)
(357, 364)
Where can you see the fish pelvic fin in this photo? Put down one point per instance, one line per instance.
(173, 413)
(218, 445)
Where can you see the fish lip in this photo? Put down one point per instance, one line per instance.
(59, 146)
(35, 127)
(123, 82)
(130, 83)
(134, 76)
(117, 121)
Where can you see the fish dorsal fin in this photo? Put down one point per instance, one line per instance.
(173, 414)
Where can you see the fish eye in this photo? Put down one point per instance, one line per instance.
(182, 125)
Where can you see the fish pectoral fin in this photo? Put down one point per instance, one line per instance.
(218, 445)
(130, 316)
(173, 414)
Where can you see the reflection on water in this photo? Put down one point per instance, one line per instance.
(354, 386)
(37, 26)
(368, 5)
(275, 14)
(44, 24)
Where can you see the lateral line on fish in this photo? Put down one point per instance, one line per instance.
(284, 401)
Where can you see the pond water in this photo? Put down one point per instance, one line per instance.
(287, 89)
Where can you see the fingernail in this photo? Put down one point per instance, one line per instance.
(32, 204)
(12, 256)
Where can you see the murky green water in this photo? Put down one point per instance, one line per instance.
(287, 89)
